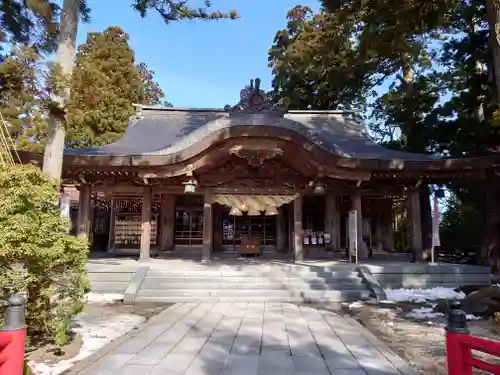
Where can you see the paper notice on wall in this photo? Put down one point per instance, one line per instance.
(65, 206)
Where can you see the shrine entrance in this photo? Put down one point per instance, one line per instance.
(253, 224)
(235, 229)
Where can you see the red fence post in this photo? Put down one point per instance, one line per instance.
(457, 354)
(13, 338)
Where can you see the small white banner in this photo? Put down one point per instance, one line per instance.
(436, 242)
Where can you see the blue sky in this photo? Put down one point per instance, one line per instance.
(200, 64)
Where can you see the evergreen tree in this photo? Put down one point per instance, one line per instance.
(28, 22)
(448, 111)
(20, 104)
(315, 62)
(170, 10)
(150, 93)
(106, 82)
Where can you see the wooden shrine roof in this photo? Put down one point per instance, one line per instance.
(170, 136)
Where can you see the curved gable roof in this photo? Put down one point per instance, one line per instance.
(170, 130)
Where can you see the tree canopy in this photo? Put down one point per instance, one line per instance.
(422, 73)
(106, 82)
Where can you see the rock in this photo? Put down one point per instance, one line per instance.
(483, 302)
(441, 306)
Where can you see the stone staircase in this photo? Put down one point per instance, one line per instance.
(269, 282)
(109, 278)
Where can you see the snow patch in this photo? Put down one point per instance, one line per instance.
(424, 313)
(422, 295)
(95, 333)
(353, 305)
(473, 317)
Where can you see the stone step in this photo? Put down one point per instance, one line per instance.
(109, 286)
(110, 276)
(324, 294)
(270, 296)
(261, 284)
(249, 273)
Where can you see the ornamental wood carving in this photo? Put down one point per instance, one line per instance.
(256, 154)
(236, 173)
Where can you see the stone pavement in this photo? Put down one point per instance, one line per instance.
(246, 339)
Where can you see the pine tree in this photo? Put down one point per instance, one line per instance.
(315, 64)
(151, 93)
(20, 99)
(29, 22)
(169, 10)
(106, 83)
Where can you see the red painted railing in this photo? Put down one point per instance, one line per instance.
(13, 338)
(460, 344)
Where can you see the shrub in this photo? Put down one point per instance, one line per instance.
(38, 256)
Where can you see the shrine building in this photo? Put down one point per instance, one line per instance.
(250, 178)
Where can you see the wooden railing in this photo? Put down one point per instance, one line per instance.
(13, 338)
(460, 344)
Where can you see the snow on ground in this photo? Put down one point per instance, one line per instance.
(418, 296)
(422, 295)
(424, 313)
(103, 298)
(95, 334)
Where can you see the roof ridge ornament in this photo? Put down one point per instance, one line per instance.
(255, 100)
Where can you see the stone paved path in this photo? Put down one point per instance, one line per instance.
(247, 339)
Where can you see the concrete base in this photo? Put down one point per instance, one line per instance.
(425, 275)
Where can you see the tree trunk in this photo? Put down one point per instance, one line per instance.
(426, 212)
(54, 146)
(490, 252)
(493, 11)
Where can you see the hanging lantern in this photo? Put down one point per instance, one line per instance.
(253, 212)
(235, 211)
(319, 188)
(271, 211)
(190, 186)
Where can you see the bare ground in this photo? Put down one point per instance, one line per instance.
(420, 342)
(50, 353)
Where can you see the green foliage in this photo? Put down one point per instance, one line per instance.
(20, 99)
(314, 62)
(37, 255)
(461, 227)
(106, 83)
(29, 22)
(422, 69)
(178, 10)
(150, 92)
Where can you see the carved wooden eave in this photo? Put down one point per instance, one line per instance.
(255, 154)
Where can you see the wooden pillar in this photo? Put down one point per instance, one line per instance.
(167, 222)
(207, 228)
(111, 231)
(387, 225)
(84, 213)
(145, 251)
(356, 201)
(377, 223)
(280, 230)
(298, 244)
(218, 212)
(416, 225)
(332, 220)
